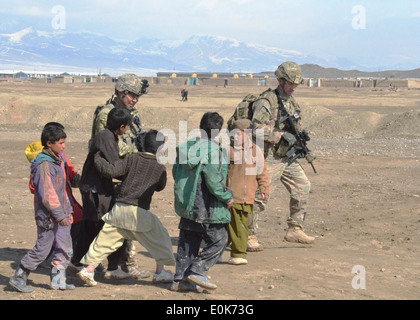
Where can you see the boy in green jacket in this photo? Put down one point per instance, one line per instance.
(202, 201)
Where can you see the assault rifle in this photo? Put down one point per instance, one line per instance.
(299, 149)
(144, 86)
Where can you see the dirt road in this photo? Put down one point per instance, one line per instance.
(363, 210)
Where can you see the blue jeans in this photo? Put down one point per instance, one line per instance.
(212, 238)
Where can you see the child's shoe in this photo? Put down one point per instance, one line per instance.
(201, 281)
(74, 268)
(237, 261)
(137, 273)
(164, 276)
(117, 274)
(185, 286)
(18, 281)
(87, 277)
(58, 280)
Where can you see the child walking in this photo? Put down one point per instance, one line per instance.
(130, 217)
(72, 181)
(247, 172)
(98, 193)
(201, 200)
(53, 214)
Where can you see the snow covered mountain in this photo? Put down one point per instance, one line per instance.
(212, 53)
(32, 49)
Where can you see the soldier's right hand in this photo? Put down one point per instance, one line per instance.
(277, 136)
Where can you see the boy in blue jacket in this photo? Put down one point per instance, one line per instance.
(53, 214)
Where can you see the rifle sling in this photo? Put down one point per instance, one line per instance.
(283, 112)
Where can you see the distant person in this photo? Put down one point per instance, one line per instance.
(128, 90)
(53, 214)
(130, 217)
(278, 139)
(201, 200)
(184, 95)
(72, 181)
(247, 172)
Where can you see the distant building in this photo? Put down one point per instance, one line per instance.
(21, 75)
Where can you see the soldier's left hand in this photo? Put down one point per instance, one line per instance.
(310, 157)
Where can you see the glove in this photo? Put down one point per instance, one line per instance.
(310, 157)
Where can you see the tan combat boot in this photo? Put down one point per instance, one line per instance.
(253, 244)
(296, 234)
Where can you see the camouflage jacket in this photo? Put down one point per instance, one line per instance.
(267, 117)
(126, 142)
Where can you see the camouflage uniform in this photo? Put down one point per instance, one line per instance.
(266, 117)
(127, 141)
(127, 84)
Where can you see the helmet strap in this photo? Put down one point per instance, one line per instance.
(120, 100)
(281, 85)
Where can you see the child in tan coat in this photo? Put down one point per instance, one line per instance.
(247, 172)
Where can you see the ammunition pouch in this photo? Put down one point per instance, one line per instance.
(287, 141)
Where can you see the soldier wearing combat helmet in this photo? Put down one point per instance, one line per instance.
(128, 90)
(267, 116)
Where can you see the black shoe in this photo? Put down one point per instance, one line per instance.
(185, 286)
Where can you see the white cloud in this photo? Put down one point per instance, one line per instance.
(206, 4)
(31, 11)
(241, 2)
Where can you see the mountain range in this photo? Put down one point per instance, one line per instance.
(33, 50)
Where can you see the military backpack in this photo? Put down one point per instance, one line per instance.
(245, 109)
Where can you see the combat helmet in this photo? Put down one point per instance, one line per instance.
(129, 82)
(290, 71)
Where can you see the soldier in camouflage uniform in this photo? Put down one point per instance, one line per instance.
(277, 141)
(128, 90)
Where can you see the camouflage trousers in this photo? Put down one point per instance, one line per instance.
(293, 177)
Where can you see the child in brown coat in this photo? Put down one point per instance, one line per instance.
(247, 172)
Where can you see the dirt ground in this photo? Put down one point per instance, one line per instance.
(363, 210)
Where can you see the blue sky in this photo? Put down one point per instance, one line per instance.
(374, 33)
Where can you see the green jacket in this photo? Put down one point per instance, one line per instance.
(200, 173)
